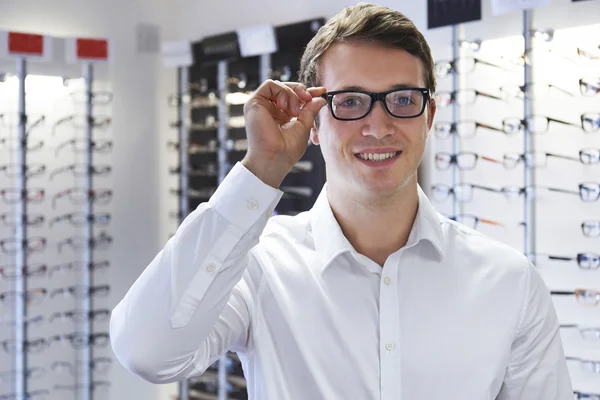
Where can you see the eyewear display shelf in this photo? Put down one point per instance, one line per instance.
(53, 219)
(212, 138)
(517, 157)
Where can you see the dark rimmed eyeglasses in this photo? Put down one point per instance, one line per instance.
(461, 65)
(472, 221)
(591, 228)
(465, 160)
(540, 160)
(79, 340)
(36, 345)
(589, 86)
(535, 124)
(462, 129)
(80, 291)
(462, 97)
(586, 261)
(586, 396)
(462, 192)
(81, 218)
(351, 105)
(78, 316)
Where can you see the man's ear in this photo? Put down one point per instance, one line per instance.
(431, 113)
(314, 133)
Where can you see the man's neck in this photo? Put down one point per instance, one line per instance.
(376, 229)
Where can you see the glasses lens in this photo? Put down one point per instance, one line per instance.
(591, 334)
(466, 128)
(511, 160)
(100, 339)
(511, 125)
(589, 86)
(350, 105)
(463, 192)
(442, 68)
(468, 220)
(35, 346)
(590, 122)
(443, 99)
(101, 291)
(589, 191)
(537, 124)
(405, 103)
(466, 160)
(536, 160)
(511, 192)
(443, 160)
(466, 97)
(465, 64)
(588, 297)
(588, 260)
(440, 192)
(591, 228)
(443, 129)
(589, 156)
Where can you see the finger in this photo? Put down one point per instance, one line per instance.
(302, 92)
(280, 116)
(310, 111)
(280, 94)
(317, 91)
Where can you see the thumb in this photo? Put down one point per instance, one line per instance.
(310, 111)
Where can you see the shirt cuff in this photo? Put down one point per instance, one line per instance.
(242, 198)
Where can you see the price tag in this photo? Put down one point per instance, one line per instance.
(257, 40)
(177, 54)
(30, 46)
(87, 50)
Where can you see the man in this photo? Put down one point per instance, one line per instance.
(369, 295)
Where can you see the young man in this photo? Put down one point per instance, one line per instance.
(369, 295)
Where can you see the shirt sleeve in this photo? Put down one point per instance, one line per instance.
(537, 367)
(194, 301)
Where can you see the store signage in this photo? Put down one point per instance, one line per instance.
(30, 46)
(87, 50)
(218, 48)
(257, 40)
(177, 54)
(451, 12)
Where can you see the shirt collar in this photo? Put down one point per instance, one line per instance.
(330, 242)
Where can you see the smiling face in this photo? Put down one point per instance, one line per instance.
(373, 68)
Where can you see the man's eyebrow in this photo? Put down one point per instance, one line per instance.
(396, 86)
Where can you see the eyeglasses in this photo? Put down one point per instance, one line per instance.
(591, 228)
(461, 97)
(32, 296)
(30, 373)
(589, 53)
(350, 105)
(586, 261)
(82, 121)
(41, 394)
(11, 346)
(31, 245)
(525, 91)
(13, 219)
(586, 396)
(79, 196)
(101, 242)
(36, 270)
(82, 170)
(15, 145)
(18, 170)
(589, 156)
(12, 121)
(460, 65)
(535, 124)
(81, 146)
(587, 297)
(35, 320)
(99, 365)
(80, 219)
(13, 195)
(587, 365)
(95, 386)
(79, 291)
(472, 221)
(78, 316)
(589, 86)
(463, 129)
(590, 334)
(588, 192)
(197, 170)
(97, 98)
(462, 192)
(465, 160)
(540, 160)
(78, 266)
(590, 122)
(79, 340)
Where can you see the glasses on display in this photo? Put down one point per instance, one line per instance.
(82, 122)
(585, 261)
(79, 196)
(473, 221)
(197, 170)
(591, 53)
(461, 65)
(591, 228)
(463, 129)
(80, 170)
(12, 121)
(32, 296)
(101, 242)
(31, 245)
(32, 321)
(13, 195)
(539, 159)
(462, 97)
(30, 373)
(36, 345)
(465, 160)
(13, 219)
(586, 297)
(80, 292)
(589, 86)
(98, 98)
(586, 365)
(587, 396)
(587, 333)
(589, 191)
(15, 145)
(512, 192)
(535, 124)
(589, 156)
(36, 270)
(80, 219)
(80, 146)
(18, 170)
(79, 340)
(99, 365)
(590, 122)
(526, 91)
(78, 266)
(95, 386)
(462, 192)
(78, 316)
(41, 394)
(350, 105)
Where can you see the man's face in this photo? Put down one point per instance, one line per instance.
(371, 68)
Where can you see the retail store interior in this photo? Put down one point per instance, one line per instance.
(132, 113)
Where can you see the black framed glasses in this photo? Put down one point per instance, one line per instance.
(586, 396)
(80, 146)
(78, 266)
(80, 340)
(591, 228)
(99, 365)
(79, 196)
(35, 345)
(465, 160)
(461, 65)
(100, 242)
(36, 270)
(472, 221)
(32, 244)
(589, 156)
(586, 261)
(78, 316)
(589, 86)
(590, 122)
(534, 159)
(18, 170)
(511, 192)
(587, 333)
(589, 191)
(350, 105)
(81, 218)
(82, 170)
(79, 291)
(533, 88)
(464, 129)
(535, 124)
(13, 219)
(586, 297)
(462, 97)
(14, 195)
(463, 192)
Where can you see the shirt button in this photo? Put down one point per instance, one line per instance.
(387, 280)
(211, 267)
(389, 346)
(252, 205)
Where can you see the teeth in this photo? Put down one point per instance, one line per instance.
(377, 157)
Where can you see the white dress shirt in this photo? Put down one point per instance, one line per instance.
(453, 315)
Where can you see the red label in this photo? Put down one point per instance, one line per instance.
(24, 43)
(92, 48)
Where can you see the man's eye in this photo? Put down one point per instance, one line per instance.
(350, 102)
(404, 100)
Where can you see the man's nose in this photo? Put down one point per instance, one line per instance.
(379, 123)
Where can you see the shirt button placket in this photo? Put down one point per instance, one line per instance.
(389, 324)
